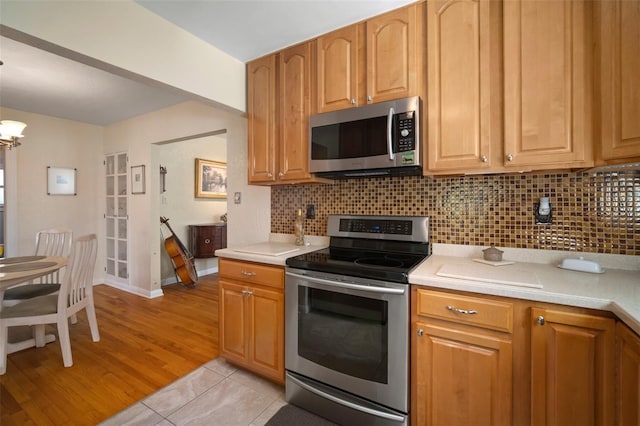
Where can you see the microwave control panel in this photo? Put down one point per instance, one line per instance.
(405, 132)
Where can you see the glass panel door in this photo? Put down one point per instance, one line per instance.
(116, 217)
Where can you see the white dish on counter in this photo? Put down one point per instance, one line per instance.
(581, 265)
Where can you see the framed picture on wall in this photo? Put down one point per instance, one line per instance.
(210, 179)
(61, 181)
(137, 179)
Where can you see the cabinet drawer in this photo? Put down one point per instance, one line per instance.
(272, 276)
(486, 313)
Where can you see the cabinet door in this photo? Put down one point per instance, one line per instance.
(392, 48)
(262, 119)
(233, 326)
(628, 386)
(572, 368)
(295, 109)
(546, 68)
(463, 377)
(463, 83)
(619, 78)
(338, 69)
(267, 332)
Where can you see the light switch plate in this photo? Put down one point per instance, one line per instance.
(237, 197)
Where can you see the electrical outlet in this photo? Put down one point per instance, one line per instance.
(311, 211)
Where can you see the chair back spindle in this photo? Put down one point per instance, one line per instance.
(53, 242)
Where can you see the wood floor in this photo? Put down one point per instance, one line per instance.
(144, 345)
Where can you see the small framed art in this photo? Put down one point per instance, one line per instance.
(210, 179)
(137, 179)
(61, 181)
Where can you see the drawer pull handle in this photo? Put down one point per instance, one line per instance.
(462, 311)
(207, 241)
(247, 292)
(248, 273)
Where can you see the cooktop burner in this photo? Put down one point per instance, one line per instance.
(379, 247)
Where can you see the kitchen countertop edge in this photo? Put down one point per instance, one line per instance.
(616, 291)
(313, 244)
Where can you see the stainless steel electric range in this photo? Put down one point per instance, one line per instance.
(347, 320)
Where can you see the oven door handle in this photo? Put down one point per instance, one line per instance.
(371, 289)
(349, 404)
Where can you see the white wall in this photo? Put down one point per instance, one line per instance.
(178, 203)
(247, 222)
(128, 36)
(52, 142)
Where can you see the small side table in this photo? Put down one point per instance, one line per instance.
(206, 238)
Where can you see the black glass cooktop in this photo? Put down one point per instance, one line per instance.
(382, 260)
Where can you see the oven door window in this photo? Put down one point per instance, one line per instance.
(344, 333)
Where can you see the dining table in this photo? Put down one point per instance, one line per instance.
(23, 269)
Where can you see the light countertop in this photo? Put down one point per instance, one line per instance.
(615, 290)
(275, 251)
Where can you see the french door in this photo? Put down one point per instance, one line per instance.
(117, 218)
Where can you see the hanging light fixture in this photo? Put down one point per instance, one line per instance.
(10, 132)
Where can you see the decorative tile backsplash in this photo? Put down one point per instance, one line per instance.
(591, 212)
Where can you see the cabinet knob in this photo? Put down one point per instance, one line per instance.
(207, 241)
(369, 98)
(280, 174)
(269, 174)
(420, 332)
(484, 159)
(509, 157)
(353, 101)
(540, 320)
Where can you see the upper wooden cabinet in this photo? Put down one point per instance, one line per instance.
(339, 68)
(547, 98)
(508, 85)
(375, 61)
(295, 108)
(464, 78)
(262, 119)
(619, 83)
(278, 108)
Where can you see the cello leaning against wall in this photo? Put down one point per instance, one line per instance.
(183, 261)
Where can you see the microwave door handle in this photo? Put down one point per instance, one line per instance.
(392, 156)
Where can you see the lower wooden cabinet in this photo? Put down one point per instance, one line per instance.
(251, 323)
(572, 368)
(488, 360)
(628, 377)
(462, 369)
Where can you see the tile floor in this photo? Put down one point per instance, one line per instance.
(217, 393)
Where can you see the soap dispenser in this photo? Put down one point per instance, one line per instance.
(299, 228)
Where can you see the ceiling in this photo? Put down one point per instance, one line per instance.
(34, 80)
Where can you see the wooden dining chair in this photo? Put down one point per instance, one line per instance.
(76, 293)
(49, 242)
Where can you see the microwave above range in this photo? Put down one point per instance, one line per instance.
(380, 139)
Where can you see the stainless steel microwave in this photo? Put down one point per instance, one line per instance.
(380, 139)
